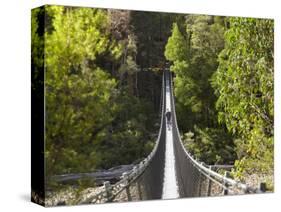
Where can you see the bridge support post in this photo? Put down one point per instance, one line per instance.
(108, 189)
(225, 190)
(137, 184)
(127, 186)
(262, 187)
(200, 183)
(139, 191)
(209, 184)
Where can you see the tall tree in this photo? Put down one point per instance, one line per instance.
(244, 86)
(93, 114)
(79, 94)
(193, 54)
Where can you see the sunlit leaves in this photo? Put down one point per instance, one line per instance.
(79, 95)
(176, 48)
(194, 53)
(244, 86)
(93, 120)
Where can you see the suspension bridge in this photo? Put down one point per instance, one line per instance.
(169, 171)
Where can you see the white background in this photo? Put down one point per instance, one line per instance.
(15, 104)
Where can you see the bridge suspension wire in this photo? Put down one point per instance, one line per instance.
(146, 180)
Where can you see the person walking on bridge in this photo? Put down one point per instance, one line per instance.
(168, 117)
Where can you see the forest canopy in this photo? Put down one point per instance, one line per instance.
(224, 90)
(103, 71)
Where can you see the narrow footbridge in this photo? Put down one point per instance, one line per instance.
(169, 171)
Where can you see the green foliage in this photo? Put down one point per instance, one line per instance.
(237, 66)
(152, 31)
(128, 66)
(79, 95)
(37, 43)
(194, 57)
(37, 46)
(101, 106)
(193, 54)
(130, 137)
(94, 115)
(244, 86)
(213, 146)
(176, 49)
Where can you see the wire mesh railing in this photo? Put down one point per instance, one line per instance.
(196, 178)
